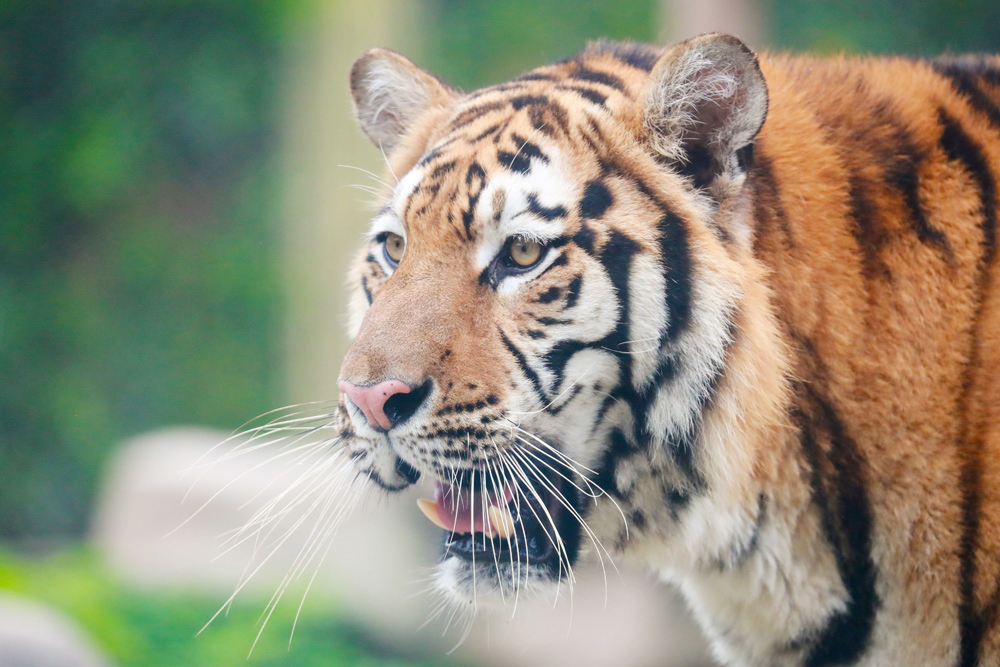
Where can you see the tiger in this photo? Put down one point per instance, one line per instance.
(731, 317)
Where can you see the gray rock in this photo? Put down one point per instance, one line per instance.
(34, 635)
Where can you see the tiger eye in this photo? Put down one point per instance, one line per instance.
(394, 247)
(525, 252)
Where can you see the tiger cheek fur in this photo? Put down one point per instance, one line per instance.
(620, 314)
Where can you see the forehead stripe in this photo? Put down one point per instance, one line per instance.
(603, 78)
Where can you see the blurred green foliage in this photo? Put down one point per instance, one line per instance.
(153, 630)
(481, 43)
(926, 28)
(138, 277)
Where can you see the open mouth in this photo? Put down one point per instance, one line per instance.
(507, 523)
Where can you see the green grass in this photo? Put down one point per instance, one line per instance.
(154, 629)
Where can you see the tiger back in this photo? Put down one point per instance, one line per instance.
(735, 320)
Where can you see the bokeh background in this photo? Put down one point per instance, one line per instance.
(174, 231)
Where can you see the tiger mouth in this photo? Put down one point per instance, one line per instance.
(507, 525)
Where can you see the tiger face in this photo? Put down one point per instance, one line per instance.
(547, 300)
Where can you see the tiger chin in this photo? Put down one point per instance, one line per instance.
(732, 317)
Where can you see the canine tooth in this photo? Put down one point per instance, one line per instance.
(430, 510)
(501, 521)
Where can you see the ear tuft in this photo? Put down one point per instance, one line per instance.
(390, 93)
(705, 104)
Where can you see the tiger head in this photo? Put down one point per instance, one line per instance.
(545, 316)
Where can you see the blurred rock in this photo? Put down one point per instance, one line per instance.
(34, 635)
(377, 568)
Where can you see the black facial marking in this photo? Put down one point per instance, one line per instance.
(517, 162)
(528, 148)
(442, 169)
(585, 239)
(573, 291)
(526, 369)
(549, 295)
(677, 264)
(368, 292)
(543, 212)
(618, 449)
(596, 200)
(475, 174)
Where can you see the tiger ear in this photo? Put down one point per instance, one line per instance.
(390, 93)
(705, 104)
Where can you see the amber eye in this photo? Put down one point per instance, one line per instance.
(525, 252)
(394, 247)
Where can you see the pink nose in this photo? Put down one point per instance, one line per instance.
(371, 399)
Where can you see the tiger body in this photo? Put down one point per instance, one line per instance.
(772, 346)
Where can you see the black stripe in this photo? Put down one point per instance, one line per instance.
(839, 480)
(528, 148)
(472, 113)
(528, 371)
(585, 239)
(517, 162)
(535, 76)
(485, 133)
(596, 200)
(639, 56)
(903, 172)
(617, 448)
(442, 169)
(522, 101)
(587, 94)
(542, 212)
(960, 147)
(767, 206)
(549, 295)
(963, 78)
(676, 258)
(368, 292)
(741, 551)
(869, 234)
(595, 76)
(573, 291)
(478, 175)
(561, 260)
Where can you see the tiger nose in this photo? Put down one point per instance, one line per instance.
(385, 404)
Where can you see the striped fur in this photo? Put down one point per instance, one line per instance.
(776, 354)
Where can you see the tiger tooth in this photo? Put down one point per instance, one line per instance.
(430, 510)
(501, 521)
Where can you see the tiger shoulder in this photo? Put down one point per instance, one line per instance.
(734, 317)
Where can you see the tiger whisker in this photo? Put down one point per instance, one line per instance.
(368, 173)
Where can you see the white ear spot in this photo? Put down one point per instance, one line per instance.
(390, 93)
(707, 92)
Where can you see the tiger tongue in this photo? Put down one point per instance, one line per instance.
(453, 510)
